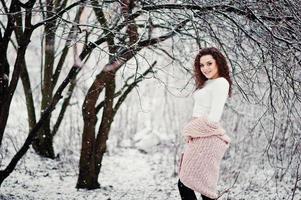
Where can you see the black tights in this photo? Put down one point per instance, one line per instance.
(187, 193)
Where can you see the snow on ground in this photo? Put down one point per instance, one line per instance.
(130, 174)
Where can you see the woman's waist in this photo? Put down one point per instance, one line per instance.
(204, 116)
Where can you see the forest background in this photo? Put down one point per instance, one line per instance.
(93, 96)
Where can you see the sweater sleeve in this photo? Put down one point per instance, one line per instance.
(219, 97)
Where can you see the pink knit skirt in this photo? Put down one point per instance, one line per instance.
(200, 164)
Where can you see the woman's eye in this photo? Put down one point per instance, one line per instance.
(209, 63)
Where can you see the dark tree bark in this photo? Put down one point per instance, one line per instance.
(7, 88)
(43, 143)
(94, 145)
(89, 161)
(11, 166)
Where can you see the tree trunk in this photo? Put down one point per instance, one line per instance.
(5, 99)
(43, 143)
(87, 173)
(107, 119)
(21, 152)
(4, 73)
(28, 96)
(91, 154)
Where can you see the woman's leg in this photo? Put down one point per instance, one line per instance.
(205, 198)
(185, 192)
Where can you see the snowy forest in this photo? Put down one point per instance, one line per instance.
(94, 95)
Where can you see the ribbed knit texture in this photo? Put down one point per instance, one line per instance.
(210, 100)
(200, 164)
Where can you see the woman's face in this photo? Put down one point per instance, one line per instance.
(209, 67)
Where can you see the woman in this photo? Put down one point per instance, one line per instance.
(206, 139)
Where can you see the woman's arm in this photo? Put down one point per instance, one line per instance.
(207, 126)
(219, 97)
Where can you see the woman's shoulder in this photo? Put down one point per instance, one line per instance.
(221, 82)
(221, 78)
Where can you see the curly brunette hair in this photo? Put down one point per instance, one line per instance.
(221, 62)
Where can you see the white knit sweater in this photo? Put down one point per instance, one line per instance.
(207, 140)
(209, 101)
